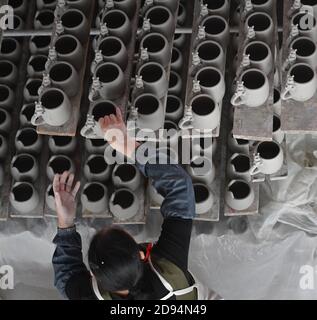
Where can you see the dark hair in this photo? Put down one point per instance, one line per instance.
(114, 259)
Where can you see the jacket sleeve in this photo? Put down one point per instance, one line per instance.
(175, 185)
(68, 265)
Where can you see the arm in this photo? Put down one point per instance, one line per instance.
(178, 208)
(72, 278)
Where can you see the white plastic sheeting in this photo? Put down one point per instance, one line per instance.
(262, 263)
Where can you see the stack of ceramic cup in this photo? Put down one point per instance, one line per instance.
(24, 168)
(255, 58)
(153, 66)
(111, 67)
(61, 80)
(208, 66)
(239, 191)
(301, 79)
(128, 195)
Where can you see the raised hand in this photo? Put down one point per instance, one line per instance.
(65, 201)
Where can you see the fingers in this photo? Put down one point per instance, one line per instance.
(119, 115)
(58, 201)
(56, 183)
(76, 188)
(69, 183)
(63, 179)
(113, 119)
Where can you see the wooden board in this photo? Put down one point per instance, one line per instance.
(70, 127)
(255, 123)
(297, 117)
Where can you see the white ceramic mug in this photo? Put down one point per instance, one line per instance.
(171, 4)
(10, 50)
(303, 20)
(217, 28)
(260, 56)
(3, 147)
(65, 77)
(23, 197)
(114, 50)
(204, 198)
(26, 114)
(31, 90)
(161, 20)
(19, 7)
(271, 157)
(69, 49)
(27, 140)
(126, 176)
(94, 197)
(118, 24)
(301, 83)
(154, 79)
(24, 167)
(128, 6)
(212, 82)
(39, 44)
(50, 4)
(306, 51)
(112, 80)
(206, 112)
(95, 146)
(36, 66)
(239, 166)
(55, 109)
(124, 204)
(263, 26)
(239, 195)
(157, 48)
(96, 168)
(44, 19)
(75, 23)
(211, 53)
(253, 89)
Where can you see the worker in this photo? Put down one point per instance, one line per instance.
(119, 267)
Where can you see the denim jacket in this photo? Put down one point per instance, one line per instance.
(178, 207)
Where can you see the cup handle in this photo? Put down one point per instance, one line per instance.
(237, 99)
(186, 123)
(37, 120)
(255, 170)
(286, 94)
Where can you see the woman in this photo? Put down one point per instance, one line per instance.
(119, 267)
